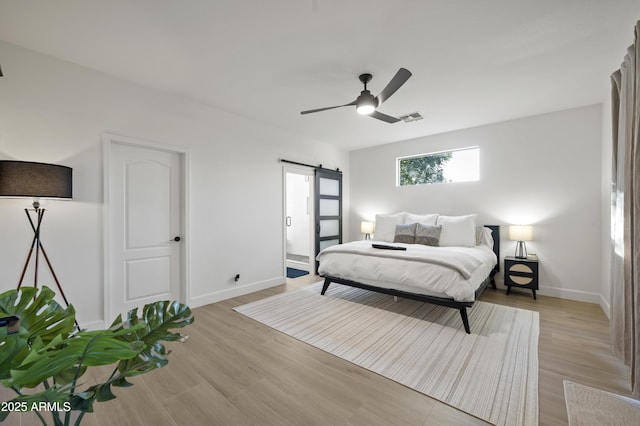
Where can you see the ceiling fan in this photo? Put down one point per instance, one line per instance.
(366, 103)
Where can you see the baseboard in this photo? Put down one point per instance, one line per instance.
(208, 298)
(577, 295)
(94, 325)
(235, 291)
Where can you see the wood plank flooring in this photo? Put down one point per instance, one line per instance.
(236, 371)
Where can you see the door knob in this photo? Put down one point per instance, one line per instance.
(176, 239)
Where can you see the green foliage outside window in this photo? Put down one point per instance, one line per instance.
(425, 169)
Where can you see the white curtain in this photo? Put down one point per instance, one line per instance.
(625, 213)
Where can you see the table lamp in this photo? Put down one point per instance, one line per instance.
(367, 229)
(521, 233)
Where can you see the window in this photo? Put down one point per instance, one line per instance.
(460, 165)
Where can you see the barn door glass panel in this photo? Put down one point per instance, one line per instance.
(328, 200)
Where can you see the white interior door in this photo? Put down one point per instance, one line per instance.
(145, 232)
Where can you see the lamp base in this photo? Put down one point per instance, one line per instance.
(36, 244)
(521, 250)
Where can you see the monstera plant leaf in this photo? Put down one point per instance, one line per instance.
(151, 329)
(158, 319)
(40, 317)
(47, 349)
(86, 348)
(39, 313)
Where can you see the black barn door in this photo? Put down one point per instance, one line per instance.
(328, 209)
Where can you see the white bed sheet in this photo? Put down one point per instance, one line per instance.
(399, 270)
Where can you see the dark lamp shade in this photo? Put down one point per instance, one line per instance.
(28, 179)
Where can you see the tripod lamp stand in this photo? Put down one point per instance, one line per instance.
(20, 179)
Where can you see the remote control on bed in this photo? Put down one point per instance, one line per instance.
(387, 247)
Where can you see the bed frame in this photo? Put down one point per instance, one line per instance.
(442, 301)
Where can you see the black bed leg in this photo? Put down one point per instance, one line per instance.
(325, 286)
(465, 320)
(493, 283)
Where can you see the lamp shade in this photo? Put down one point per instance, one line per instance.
(366, 227)
(29, 179)
(520, 232)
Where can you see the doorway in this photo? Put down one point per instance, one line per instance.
(298, 221)
(145, 207)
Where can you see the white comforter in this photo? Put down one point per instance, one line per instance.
(454, 272)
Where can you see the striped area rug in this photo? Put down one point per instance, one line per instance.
(587, 406)
(491, 373)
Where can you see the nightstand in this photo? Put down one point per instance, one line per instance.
(521, 273)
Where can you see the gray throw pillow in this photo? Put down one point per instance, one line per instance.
(428, 235)
(405, 234)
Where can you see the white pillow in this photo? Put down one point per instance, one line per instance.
(486, 237)
(425, 219)
(458, 231)
(385, 229)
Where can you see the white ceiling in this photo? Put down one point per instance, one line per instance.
(473, 61)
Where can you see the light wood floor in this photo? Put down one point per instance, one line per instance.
(236, 371)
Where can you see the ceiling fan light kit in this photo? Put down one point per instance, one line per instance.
(367, 104)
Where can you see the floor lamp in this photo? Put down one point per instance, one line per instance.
(20, 179)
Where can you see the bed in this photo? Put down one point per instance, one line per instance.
(448, 276)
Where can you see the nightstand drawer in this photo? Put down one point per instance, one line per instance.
(521, 273)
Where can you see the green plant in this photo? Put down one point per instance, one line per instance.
(423, 169)
(48, 351)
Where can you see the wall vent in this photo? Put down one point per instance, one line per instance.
(415, 116)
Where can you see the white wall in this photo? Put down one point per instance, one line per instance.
(543, 170)
(53, 111)
(607, 146)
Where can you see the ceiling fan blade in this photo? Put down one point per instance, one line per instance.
(396, 82)
(324, 109)
(384, 117)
